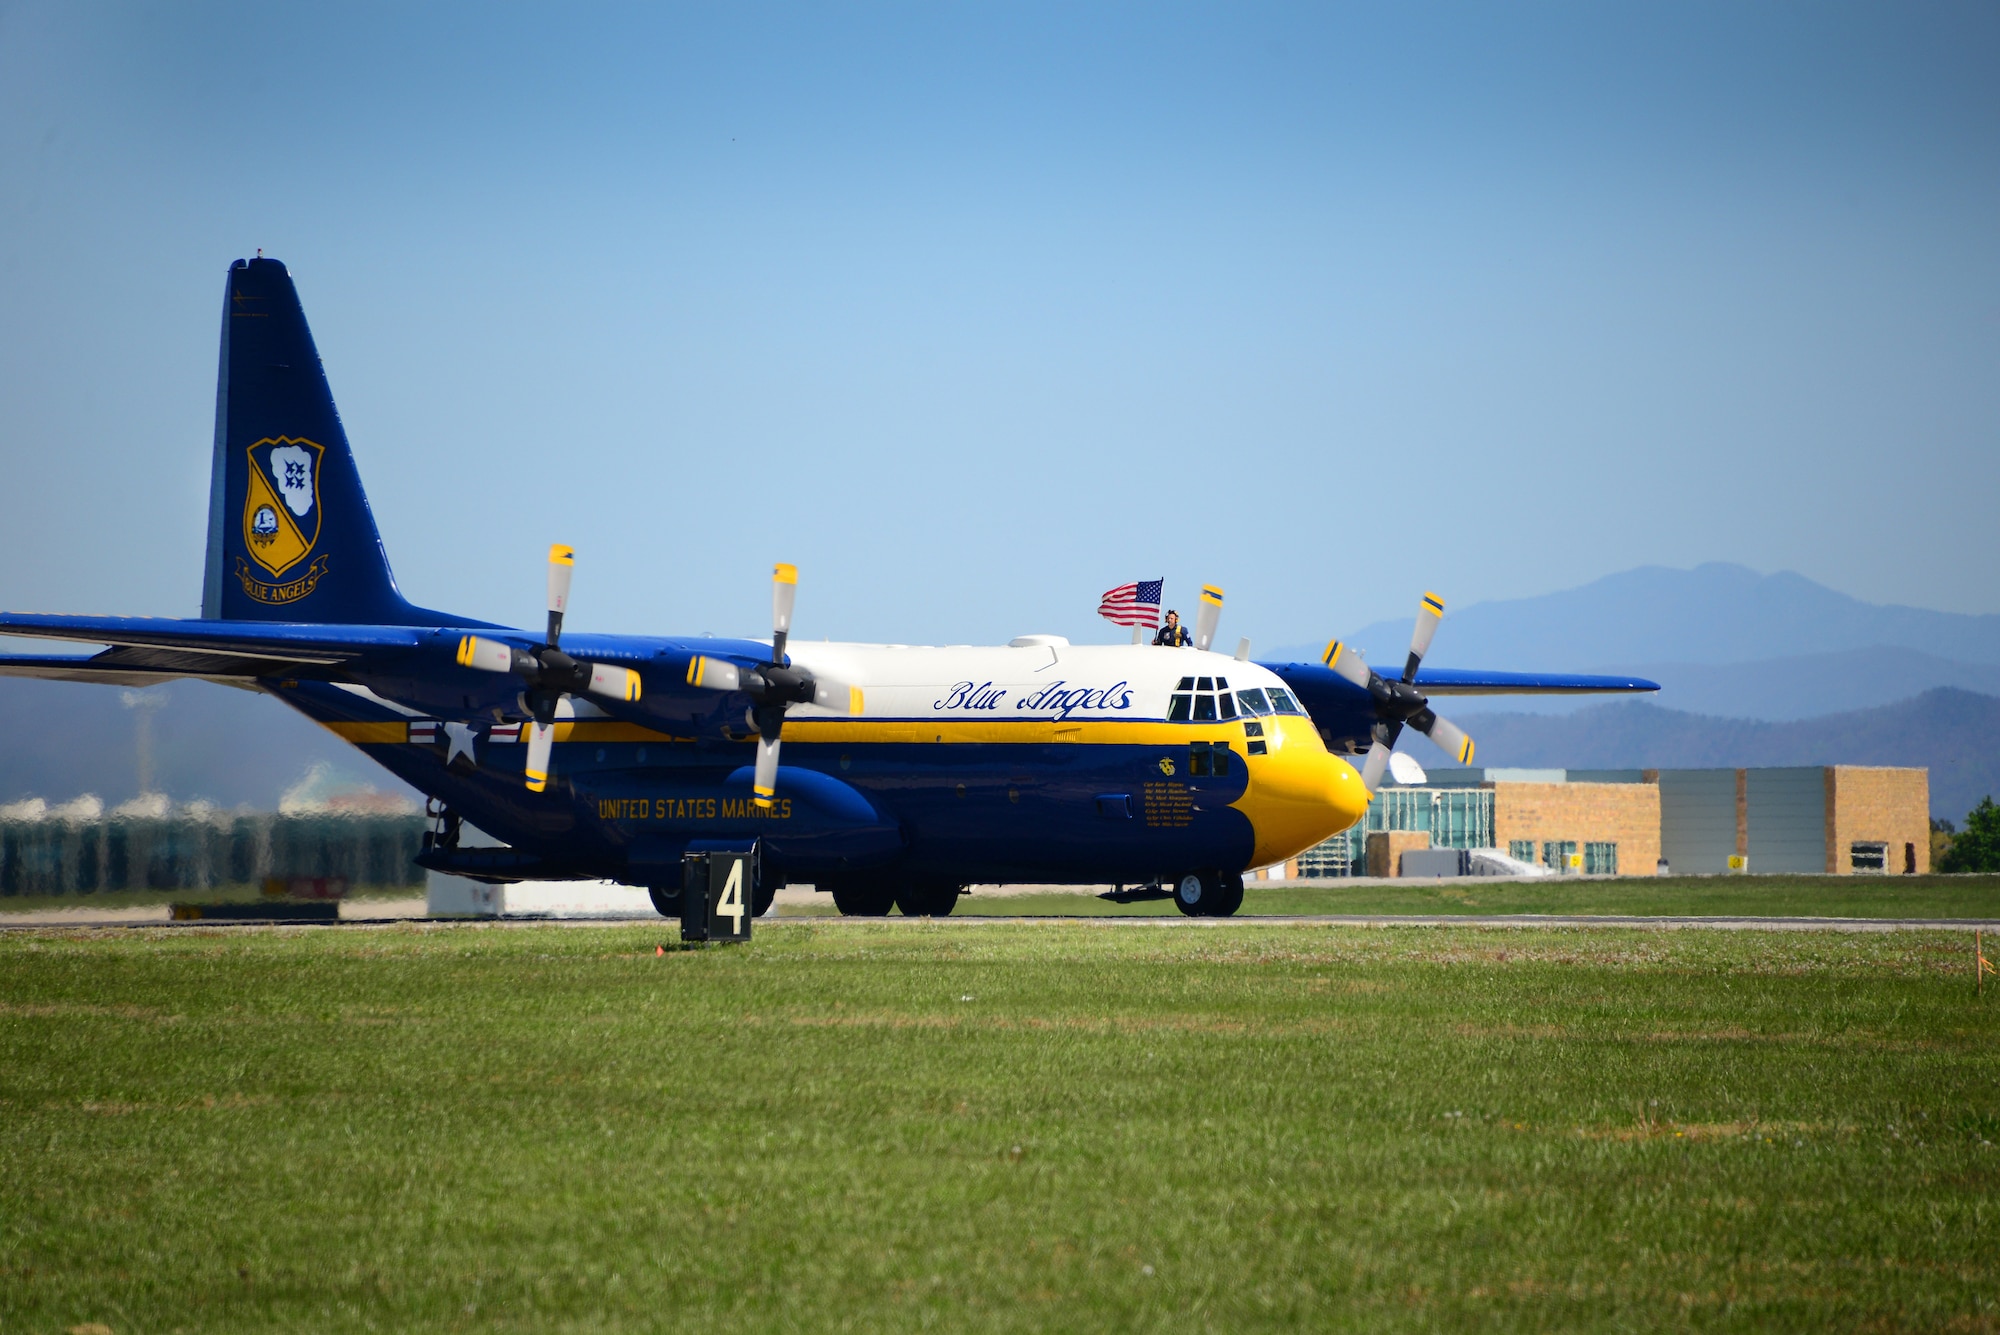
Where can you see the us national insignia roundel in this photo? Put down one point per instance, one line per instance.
(281, 505)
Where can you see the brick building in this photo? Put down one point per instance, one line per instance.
(1605, 829)
(1836, 819)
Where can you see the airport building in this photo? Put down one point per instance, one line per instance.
(1831, 819)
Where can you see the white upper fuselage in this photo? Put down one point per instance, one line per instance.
(1039, 678)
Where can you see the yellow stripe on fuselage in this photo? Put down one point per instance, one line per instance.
(1015, 731)
(369, 734)
(586, 730)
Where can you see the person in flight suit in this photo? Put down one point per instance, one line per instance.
(1174, 635)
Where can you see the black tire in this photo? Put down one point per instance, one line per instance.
(666, 903)
(1228, 897)
(1195, 892)
(927, 900)
(864, 899)
(760, 901)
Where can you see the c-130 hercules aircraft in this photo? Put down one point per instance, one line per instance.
(888, 775)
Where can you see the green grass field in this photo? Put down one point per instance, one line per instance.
(1706, 896)
(898, 1125)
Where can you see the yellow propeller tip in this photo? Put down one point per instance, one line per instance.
(784, 573)
(562, 556)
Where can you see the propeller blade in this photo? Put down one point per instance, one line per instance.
(614, 683)
(541, 740)
(562, 565)
(1373, 768)
(1450, 738)
(1347, 661)
(1429, 613)
(713, 674)
(784, 591)
(486, 655)
(836, 695)
(1210, 614)
(766, 782)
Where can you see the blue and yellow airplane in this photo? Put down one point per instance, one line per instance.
(906, 773)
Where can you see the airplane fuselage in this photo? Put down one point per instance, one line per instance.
(1039, 761)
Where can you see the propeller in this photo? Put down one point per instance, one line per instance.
(1208, 616)
(551, 674)
(774, 686)
(1399, 702)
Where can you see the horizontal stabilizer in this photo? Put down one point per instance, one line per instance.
(271, 644)
(98, 669)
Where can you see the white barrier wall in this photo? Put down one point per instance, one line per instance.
(457, 897)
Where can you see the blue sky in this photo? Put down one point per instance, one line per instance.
(974, 311)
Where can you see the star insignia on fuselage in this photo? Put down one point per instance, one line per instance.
(462, 738)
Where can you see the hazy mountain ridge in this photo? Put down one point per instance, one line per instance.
(1716, 613)
(1721, 640)
(1774, 690)
(1953, 733)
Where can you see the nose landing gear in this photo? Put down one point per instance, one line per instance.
(1209, 894)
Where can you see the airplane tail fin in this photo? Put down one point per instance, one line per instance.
(290, 535)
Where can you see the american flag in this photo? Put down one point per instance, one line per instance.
(1133, 604)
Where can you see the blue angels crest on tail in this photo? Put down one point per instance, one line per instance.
(281, 519)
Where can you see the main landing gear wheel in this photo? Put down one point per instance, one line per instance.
(864, 899)
(927, 900)
(1208, 894)
(666, 903)
(761, 897)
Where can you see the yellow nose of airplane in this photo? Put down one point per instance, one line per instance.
(1299, 794)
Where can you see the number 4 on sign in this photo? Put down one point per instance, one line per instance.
(731, 904)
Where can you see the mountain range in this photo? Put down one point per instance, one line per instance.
(1950, 732)
(1722, 640)
(1714, 613)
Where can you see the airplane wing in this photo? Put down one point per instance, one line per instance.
(1471, 681)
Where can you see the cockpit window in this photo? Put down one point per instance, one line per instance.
(1186, 684)
(1204, 708)
(1251, 701)
(1225, 704)
(1205, 684)
(1177, 707)
(1282, 702)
